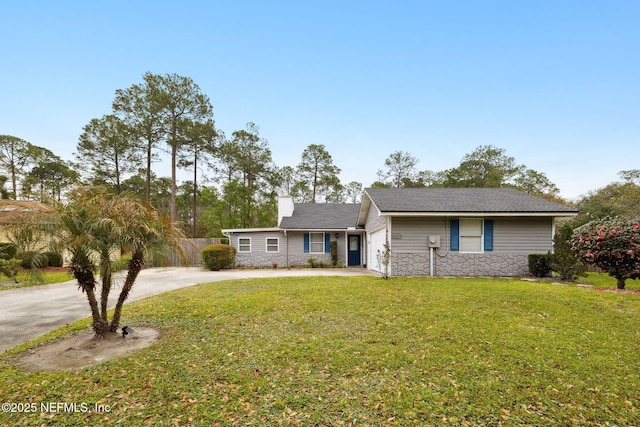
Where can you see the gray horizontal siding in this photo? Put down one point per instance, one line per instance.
(511, 235)
(375, 220)
(411, 234)
(291, 249)
(258, 240)
(530, 235)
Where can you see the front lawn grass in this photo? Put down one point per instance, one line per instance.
(27, 279)
(360, 351)
(604, 281)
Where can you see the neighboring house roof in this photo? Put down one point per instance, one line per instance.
(435, 201)
(13, 209)
(322, 216)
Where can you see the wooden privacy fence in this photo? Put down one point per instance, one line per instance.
(192, 248)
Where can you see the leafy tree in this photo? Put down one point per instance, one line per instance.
(380, 184)
(563, 260)
(141, 114)
(93, 226)
(4, 194)
(428, 178)
(534, 182)
(632, 175)
(198, 147)
(353, 192)
(487, 166)
(287, 176)
(163, 108)
(247, 195)
(160, 190)
(253, 177)
(51, 176)
(612, 244)
(210, 216)
(618, 199)
(106, 149)
(15, 155)
(180, 104)
(399, 170)
(317, 172)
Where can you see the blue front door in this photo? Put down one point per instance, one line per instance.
(354, 249)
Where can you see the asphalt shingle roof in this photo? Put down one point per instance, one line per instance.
(322, 216)
(461, 200)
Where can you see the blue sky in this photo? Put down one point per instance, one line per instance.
(556, 83)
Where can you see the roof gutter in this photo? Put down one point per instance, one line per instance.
(480, 214)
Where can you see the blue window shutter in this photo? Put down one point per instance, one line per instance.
(327, 243)
(488, 234)
(306, 242)
(454, 233)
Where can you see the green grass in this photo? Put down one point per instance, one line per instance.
(360, 351)
(25, 280)
(601, 280)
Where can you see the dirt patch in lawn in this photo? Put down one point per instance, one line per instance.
(84, 349)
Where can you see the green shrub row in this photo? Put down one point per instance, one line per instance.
(30, 259)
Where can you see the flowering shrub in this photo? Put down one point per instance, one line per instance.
(612, 244)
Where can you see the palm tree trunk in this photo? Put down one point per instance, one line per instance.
(87, 283)
(105, 276)
(135, 265)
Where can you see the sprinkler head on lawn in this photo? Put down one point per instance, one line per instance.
(126, 331)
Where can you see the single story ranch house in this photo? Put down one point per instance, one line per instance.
(428, 231)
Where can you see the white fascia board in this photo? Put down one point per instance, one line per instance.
(480, 214)
(326, 230)
(249, 230)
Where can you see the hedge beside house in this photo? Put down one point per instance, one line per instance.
(218, 256)
(540, 264)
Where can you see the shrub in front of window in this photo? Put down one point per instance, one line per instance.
(334, 252)
(540, 264)
(218, 256)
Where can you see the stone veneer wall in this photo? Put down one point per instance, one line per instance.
(457, 264)
(267, 259)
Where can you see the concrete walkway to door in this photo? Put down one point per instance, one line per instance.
(27, 313)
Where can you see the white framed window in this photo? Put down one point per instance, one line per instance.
(316, 243)
(273, 244)
(471, 237)
(244, 244)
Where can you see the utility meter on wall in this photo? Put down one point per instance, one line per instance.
(434, 241)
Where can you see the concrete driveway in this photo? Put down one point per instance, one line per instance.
(27, 313)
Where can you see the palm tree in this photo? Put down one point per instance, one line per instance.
(147, 235)
(95, 227)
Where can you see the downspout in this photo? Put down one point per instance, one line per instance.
(286, 254)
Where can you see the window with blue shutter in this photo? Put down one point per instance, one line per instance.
(315, 242)
(327, 243)
(454, 235)
(488, 234)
